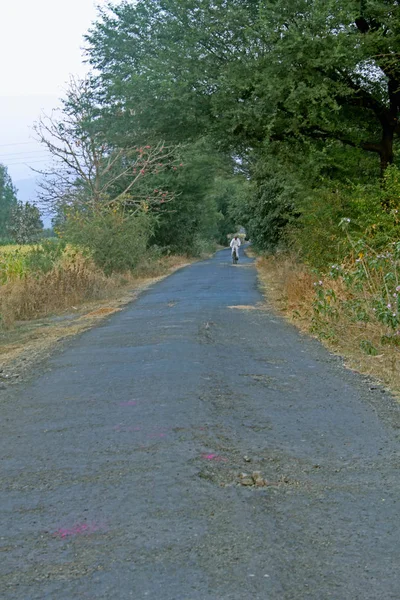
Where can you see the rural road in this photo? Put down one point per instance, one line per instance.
(121, 459)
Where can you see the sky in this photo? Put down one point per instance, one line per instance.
(41, 44)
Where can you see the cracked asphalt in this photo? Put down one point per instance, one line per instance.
(121, 458)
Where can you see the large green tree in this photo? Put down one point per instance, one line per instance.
(254, 70)
(304, 94)
(8, 200)
(202, 188)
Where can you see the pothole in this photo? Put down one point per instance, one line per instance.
(252, 480)
(256, 479)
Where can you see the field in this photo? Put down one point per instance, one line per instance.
(13, 262)
(41, 279)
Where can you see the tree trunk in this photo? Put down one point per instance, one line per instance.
(386, 156)
(386, 152)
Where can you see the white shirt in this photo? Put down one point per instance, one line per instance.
(235, 243)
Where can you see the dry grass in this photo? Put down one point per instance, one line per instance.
(67, 284)
(161, 266)
(289, 288)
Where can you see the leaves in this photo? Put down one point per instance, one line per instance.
(8, 200)
(25, 224)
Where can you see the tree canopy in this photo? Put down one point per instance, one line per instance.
(254, 71)
(290, 108)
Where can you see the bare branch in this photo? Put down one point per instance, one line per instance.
(87, 171)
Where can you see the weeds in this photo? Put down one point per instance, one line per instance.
(13, 262)
(354, 308)
(65, 284)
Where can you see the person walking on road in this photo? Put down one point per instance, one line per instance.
(235, 245)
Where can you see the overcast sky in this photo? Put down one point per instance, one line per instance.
(40, 47)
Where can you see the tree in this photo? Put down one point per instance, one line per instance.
(255, 71)
(229, 194)
(333, 72)
(8, 199)
(25, 223)
(89, 173)
(160, 62)
(197, 211)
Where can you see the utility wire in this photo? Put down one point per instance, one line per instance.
(26, 163)
(23, 153)
(7, 161)
(18, 144)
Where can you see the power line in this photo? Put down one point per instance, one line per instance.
(17, 144)
(26, 163)
(6, 159)
(25, 153)
(22, 161)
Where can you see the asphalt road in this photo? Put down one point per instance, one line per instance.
(121, 460)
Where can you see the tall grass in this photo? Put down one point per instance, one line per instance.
(68, 282)
(39, 280)
(13, 262)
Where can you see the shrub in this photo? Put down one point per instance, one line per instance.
(42, 258)
(202, 246)
(115, 241)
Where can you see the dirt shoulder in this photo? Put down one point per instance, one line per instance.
(30, 342)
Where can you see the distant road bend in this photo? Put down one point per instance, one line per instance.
(197, 447)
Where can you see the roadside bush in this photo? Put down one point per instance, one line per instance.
(202, 246)
(42, 258)
(354, 307)
(369, 285)
(320, 235)
(315, 236)
(117, 242)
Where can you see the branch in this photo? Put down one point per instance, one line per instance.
(324, 134)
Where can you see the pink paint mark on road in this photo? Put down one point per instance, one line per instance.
(129, 403)
(214, 457)
(157, 435)
(78, 529)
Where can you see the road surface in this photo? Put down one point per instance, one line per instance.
(122, 460)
